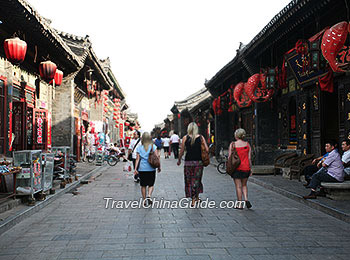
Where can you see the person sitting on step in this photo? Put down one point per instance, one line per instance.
(345, 145)
(332, 170)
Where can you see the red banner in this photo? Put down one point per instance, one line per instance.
(39, 130)
(49, 143)
(121, 131)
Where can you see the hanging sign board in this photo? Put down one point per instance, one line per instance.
(39, 132)
(301, 68)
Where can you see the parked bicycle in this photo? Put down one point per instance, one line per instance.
(222, 165)
(111, 158)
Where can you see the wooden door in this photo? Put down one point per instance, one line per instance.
(19, 125)
(2, 117)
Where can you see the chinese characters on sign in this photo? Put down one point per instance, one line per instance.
(40, 130)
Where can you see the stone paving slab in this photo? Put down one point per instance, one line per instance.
(80, 227)
(295, 190)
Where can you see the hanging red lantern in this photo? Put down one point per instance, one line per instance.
(256, 88)
(127, 123)
(105, 109)
(115, 109)
(58, 77)
(114, 118)
(105, 104)
(15, 50)
(333, 41)
(47, 70)
(115, 114)
(131, 128)
(240, 96)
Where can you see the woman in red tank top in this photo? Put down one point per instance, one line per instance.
(241, 174)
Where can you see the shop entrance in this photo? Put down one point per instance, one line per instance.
(329, 117)
(2, 117)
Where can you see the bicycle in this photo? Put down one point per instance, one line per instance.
(222, 165)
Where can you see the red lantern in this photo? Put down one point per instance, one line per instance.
(47, 70)
(333, 41)
(58, 77)
(131, 128)
(115, 113)
(114, 118)
(240, 96)
(127, 124)
(116, 125)
(105, 109)
(115, 109)
(258, 92)
(15, 50)
(105, 104)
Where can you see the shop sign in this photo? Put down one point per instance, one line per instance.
(343, 55)
(49, 143)
(37, 173)
(301, 67)
(121, 131)
(39, 132)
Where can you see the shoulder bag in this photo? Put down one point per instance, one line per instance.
(233, 160)
(204, 153)
(153, 159)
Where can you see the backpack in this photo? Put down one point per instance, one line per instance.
(158, 143)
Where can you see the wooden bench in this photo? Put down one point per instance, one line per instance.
(337, 191)
(281, 160)
(299, 165)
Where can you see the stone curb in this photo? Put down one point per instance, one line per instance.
(311, 203)
(12, 221)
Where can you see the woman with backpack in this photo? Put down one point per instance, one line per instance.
(193, 169)
(243, 171)
(142, 167)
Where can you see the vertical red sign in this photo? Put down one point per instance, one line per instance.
(39, 130)
(121, 131)
(49, 122)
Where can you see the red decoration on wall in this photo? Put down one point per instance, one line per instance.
(58, 77)
(15, 50)
(47, 70)
(333, 41)
(256, 88)
(326, 82)
(241, 96)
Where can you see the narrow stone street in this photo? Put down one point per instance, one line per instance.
(80, 227)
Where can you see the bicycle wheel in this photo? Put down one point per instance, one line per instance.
(91, 158)
(112, 160)
(221, 167)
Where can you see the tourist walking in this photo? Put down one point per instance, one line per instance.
(158, 143)
(174, 142)
(165, 143)
(243, 171)
(146, 172)
(193, 169)
(135, 142)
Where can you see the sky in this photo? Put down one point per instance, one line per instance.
(161, 51)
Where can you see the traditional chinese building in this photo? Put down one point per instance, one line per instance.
(26, 98)
(289, 98)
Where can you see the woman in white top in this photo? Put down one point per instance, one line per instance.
(165, 143)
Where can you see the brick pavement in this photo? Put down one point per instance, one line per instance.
(79, 227)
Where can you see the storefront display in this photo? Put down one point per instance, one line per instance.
(29, 180)
(48, 165)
